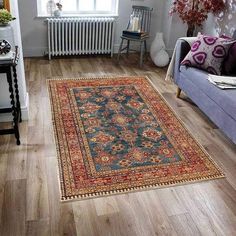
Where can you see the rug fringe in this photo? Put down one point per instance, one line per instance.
(138, 189)
(96, 78)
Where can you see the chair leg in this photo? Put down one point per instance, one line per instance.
(120, 48)
(128, 43)
(145, 45)
(141, 54)
(178, 92)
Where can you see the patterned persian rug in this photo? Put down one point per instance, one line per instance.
(115, 135)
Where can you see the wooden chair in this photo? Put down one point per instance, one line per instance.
(145, 18)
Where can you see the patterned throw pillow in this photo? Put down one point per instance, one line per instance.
(208, 53)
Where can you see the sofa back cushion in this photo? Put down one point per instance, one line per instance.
(208, 53)
(229, 67)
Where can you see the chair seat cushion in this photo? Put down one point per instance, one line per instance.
(135, 38)
(226, 99)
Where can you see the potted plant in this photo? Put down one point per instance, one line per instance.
(195, 12)
(5, 17)
(6, 31)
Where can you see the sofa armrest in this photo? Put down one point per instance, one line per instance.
(182, 49)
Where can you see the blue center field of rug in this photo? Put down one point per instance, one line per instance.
(121, 130)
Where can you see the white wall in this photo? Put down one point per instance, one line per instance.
(124, 13)
(172, 27)
(225, 23)
(34, 30)
(4, 94)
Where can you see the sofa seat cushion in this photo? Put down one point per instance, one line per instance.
(226, 99)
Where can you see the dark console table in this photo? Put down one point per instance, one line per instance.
(8, 67)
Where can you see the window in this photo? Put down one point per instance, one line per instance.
(75, 7)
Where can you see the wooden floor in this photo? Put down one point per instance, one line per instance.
(29, 189)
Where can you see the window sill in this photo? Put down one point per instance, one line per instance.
(77, 15)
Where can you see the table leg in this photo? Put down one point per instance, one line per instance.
(17, 93)
(14, 110)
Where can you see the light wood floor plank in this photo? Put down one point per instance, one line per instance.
(84, 214)
(106, 206)
(17, 163)
(3, 174)
(38, 228)
(200, 213)
(13, 208)
(171, 202)
(36, 189)
(184, 225)
(150, 200)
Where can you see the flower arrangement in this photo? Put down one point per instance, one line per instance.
(195, 12)
(5, 17)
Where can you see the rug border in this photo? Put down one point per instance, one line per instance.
(125, 190)
(55, 139)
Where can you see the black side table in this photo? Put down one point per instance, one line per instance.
(9, 68)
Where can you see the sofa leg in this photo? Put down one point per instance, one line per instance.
(178, 92)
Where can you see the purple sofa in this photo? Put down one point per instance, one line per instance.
(219, 105)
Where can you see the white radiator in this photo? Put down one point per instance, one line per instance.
(78, 36)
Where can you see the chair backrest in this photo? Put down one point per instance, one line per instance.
(145, 13)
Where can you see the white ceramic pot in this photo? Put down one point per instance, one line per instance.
(57, 13)
(161, 59)
(157, 51)
(6, 33)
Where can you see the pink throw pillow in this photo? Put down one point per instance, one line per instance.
(208, 53)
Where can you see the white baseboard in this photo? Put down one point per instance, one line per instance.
(39, 52)
(116, 48)
(133, 46)
(7, 117)
(34, 52)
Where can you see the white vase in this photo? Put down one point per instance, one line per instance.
(157, 51)
(6, 33)
(162, 58)
(57, 13)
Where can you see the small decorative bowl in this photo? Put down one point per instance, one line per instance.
(5, 47)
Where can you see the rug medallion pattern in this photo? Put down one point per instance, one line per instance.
(117, 135)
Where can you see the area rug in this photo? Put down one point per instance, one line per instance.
(115, 135)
